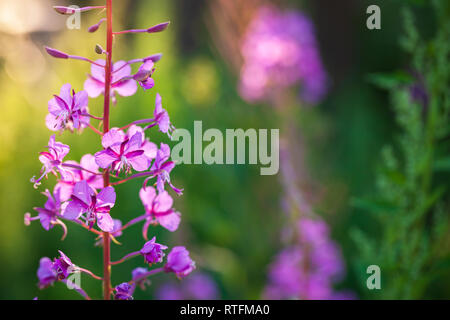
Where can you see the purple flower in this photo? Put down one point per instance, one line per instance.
(52, 159)
(68, 110)
(63, 266)
(144, 75)
(307, 269)
(45, 273)
(136, 274)
(159, 210)
(122, 153)
(149, 148)
(162, 117)
(201, 287)
(286, 273)
(313, 231)
(124, 291)
(162, 168)
(95, 83)
(179, 262)
(280, 51)
(169, 291)
(96, 207)
(152, 251)
(65, 184)
(198, 287)
(48, 216)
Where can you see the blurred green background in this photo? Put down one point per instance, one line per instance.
(231, 216)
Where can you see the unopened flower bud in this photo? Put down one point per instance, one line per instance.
(158, 28)
(64, 10)
(99, 49)
(56, 53)
(95, 27)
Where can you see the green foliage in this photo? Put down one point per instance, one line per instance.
(410, 206)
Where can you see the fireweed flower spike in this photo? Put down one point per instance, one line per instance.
(52, 160)
(279, 51)
(96, 207)
(83, 192)
(68, 110)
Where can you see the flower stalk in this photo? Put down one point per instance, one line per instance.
(106, 105)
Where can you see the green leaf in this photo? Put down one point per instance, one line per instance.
(390, 80)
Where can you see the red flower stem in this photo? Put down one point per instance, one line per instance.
(128, 256)
(90, 273)
(85, 59)
(137, 122)
(147, 274)
(137, 175)
(94, 129)
(106, 238)
(134, 221)
(131, 31)
(79, 168)
(90, 115)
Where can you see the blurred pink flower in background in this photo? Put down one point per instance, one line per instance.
(279, 50)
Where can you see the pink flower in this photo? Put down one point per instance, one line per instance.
(152, 251)
(96, 207)
(122, 153)
(179, 262)
(162, 117)
(52, 160)
(95, 83)
(149, 148)
(65, 184)
(159, 210)
(162, 168)
(68, 110)
(144, 75)
(48, 215)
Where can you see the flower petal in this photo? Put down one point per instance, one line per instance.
(83, 192)
(107, 197)
(163, 202)
(105, 222)
(170, 221)
(73, 210)
(147, 196)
